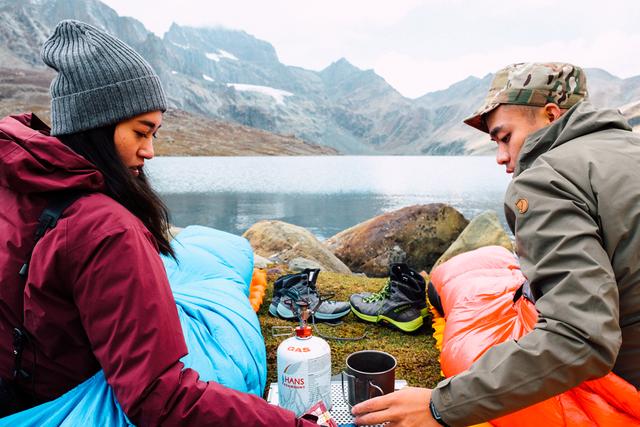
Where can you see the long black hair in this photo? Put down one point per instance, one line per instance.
(134, 193)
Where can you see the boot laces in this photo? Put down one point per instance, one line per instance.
(380, 295)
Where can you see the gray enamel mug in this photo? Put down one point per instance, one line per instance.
(368, 374)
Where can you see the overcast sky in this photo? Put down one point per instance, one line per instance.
(419, 46)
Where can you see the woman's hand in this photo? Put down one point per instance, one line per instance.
(408, 407)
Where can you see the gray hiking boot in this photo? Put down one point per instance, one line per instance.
(401, 302)
(282, 283)
(302, 286)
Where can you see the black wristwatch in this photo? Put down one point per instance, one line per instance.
(436, 415)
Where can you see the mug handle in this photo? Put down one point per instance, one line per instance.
(375, 387)
(344, 396)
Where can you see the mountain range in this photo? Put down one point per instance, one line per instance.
(230, 78)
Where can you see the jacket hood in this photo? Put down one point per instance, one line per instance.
(32, 161)
(581, 119)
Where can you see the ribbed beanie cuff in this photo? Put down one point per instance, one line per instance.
(106, 105)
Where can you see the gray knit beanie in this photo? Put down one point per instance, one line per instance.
(100, 81)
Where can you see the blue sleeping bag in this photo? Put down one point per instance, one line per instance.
(211, 288)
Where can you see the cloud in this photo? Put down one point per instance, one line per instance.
(311, 34)
(413, 76)
(419, 45)
(272, 16)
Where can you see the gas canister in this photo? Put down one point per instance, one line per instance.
(304, 370)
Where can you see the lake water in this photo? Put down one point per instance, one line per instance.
(323, 194)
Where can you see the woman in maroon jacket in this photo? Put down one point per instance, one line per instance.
(96, 295)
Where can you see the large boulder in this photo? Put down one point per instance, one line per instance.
(483, 230)
(284, 242)
(417, 235)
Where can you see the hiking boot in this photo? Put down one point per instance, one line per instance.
(302, 286)
(413, 275)
(397, 274)
(282, 283)
(401, 301)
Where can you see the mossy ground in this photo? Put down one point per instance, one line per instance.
(416, 353)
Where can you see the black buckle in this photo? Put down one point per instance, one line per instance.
(19, 339)
(48, 219)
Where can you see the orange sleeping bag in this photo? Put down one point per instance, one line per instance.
(476, 291)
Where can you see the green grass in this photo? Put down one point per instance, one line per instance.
(416, 353)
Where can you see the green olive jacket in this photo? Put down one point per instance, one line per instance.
(574, 207)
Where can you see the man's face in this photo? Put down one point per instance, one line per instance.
(509, 126)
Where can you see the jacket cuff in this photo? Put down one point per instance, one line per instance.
(441, 397)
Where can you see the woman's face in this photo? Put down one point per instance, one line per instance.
(133, 139)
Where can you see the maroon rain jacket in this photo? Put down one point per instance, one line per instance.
(97, 295)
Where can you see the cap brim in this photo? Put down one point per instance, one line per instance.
(476, 119)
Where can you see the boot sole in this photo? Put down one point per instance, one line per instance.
(285, 313)
(411, 326)
(272, 311)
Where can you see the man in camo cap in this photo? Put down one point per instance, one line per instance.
(524, 98)
(573, 207)
(534, 85)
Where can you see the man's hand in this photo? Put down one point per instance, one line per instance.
(408, 407)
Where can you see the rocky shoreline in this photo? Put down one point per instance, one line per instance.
(423, 236)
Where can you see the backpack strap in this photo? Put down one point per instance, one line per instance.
(48, 219)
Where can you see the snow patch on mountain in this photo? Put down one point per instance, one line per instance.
(277, 94)
(181, 46)
(221, 54)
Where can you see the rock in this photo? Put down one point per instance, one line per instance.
(260, 261)
(417, 235)
(299, 264)
(396, 254)
(274, 272)
(483, 230)
(280, 241)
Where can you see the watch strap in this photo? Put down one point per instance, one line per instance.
(436, 415)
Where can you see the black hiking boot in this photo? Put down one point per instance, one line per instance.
(302, 286)
(401, 302)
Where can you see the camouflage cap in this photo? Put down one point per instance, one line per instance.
(535, 84)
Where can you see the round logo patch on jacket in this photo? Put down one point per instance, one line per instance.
(522, 205)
